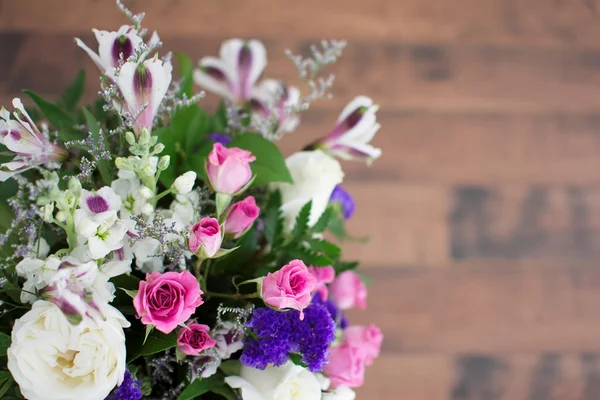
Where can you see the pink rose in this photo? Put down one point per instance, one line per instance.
(241, 216)
(366, 339)
(324, 276)
(290, 287)
(194, 338)
(206, 233)
(167, 300)
(346, 367)
(229, 169)
(348, 291)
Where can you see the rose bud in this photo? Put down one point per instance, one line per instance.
(241, 216)
(366, 339)
(229, 169)
(194, 338)
(206, 237)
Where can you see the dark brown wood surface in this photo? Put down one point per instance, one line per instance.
(484, 210)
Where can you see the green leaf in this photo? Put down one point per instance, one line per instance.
(201, 386)
(157, 342)
(225, 391)
(69, 99)
(103, 165)
(301, 226)
(323, 221)
(231, 367)
(126, 281)
(269, 165)
(273, 220)
(4, 344)
(186, 72)
(6, 381)
(61, 120)
(342, 266)
(220, 119)
(130, 293)
(327, 248)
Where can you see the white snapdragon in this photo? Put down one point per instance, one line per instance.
(185, 183)
(96, 222)
(37, 274)
(134, 196)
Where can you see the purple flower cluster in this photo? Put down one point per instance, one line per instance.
(129, 389)
(344, 198)
(275, 334)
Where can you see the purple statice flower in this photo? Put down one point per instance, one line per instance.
(341, 196)
(337, 314)
(220, 138)
(275, 334)
(129, 389)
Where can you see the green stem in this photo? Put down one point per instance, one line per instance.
(232, 296)
(160, 196)
(206, 272)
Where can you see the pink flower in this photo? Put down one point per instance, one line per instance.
(167, 300)
(290, 287)
(194, 338)
(366, 340)
(346, 366)
(206, 233)
(229, 169)
(348, 291)
(241, 216)
(324, 276)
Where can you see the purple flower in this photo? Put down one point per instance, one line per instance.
(129, 389)
(276, 334)
(341, 196)
(220, 138)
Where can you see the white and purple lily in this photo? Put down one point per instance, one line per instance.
(30, 146)
(115, 47)
(234, 74)
(274, 97)
(143, 86)
(356, 126)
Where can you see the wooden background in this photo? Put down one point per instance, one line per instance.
(484, 210)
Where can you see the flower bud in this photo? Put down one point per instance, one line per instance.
(146, 193)
(158, 148)
(130, 137)
(147, 209)
(123, 163)
(75, 187)
(145, 137)
(184, 183)
(163, 163)
(47, 211)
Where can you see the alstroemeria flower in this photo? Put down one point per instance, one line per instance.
(234, 74)
(112, 44)
(272, 99)
(97, 222)
(356, 126)
(30, 146)
(143, 86)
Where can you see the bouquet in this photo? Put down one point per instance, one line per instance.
(153, 249)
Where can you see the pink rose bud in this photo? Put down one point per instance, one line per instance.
(206, 234)
(346, 366)
(290, 287)
(167, 300)
(366, 339)
(194, 338)
(229, 169)
(241, 216)
(348, 291)
(324, 276)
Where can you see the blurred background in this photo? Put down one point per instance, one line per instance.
(484, 211)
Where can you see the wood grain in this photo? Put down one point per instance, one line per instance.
(484, 211)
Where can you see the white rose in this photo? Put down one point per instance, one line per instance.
(51, 359)
(185, 183)
(288, 382)
(315, 175)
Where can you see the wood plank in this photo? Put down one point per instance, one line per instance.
(491, 21)
(479, 310)
(514, 376)
(400, 76)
